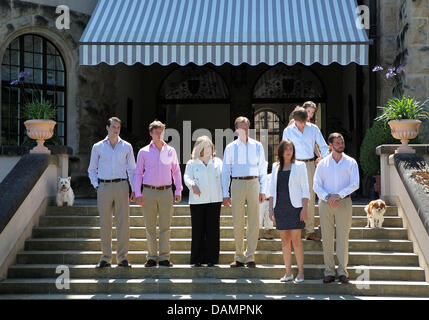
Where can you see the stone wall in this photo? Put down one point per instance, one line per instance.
(403, 28)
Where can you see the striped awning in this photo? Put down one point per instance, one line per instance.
(224, 31)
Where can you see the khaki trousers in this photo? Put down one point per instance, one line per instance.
(337, 221)
(112, 198)
(309, 223)
(158, 203)
(245, 191)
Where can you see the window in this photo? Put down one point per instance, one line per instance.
(269, 120)
(38, 56)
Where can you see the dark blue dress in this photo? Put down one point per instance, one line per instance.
(287, 216)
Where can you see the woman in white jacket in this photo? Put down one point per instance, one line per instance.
(289, 205)
(203, 179)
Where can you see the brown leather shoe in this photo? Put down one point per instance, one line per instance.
(251, 264)
(312, 236)
(328, 279)
(236, 264)
(343, 279)
(267, 235)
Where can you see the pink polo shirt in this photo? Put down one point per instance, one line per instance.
(156, 167)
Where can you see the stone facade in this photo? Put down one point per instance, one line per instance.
(404, 40)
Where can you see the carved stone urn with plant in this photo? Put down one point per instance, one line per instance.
(39, 114)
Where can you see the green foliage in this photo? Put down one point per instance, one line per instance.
(403, 108)
(377, 135)
(39, 110)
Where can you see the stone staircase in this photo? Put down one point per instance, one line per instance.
(383, 259)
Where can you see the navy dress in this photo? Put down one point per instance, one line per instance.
(286, 215)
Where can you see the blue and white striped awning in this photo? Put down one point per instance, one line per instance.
(224, 31)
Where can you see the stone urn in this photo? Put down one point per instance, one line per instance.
(404, 130)
(40, 130)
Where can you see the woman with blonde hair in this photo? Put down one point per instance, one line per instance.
(288, 207)
(203, 179)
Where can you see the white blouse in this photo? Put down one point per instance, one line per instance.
(207, 178)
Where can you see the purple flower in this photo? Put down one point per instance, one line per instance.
(400, 69)
(22, 74)
(14, 82)
(390, 74)
(377, 68)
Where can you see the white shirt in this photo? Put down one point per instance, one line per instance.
(298, 183)
(305, 141)
(207, 178)
(243, 160)
(340, 178)
(110, 163)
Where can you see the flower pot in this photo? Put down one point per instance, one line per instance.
(405, 130)
(40, 130)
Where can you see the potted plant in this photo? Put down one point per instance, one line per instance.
(404, 117)
(403, 114)
(39, 115)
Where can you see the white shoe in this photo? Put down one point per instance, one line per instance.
(287, 279)
(299, 280)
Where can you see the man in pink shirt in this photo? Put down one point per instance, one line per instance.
(156, 163)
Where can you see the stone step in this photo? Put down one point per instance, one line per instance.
(358, 210)
(211, 285)
(138, 221)
(185, 232)
(225, 244)
(222, 272)
(225, 257)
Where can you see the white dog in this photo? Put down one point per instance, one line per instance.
(375, 213)
(65, 192)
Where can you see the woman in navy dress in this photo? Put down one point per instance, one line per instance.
(289, 205)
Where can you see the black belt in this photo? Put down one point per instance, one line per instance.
(307, 160)
(156, 188)
(245, 178)
(110, 181)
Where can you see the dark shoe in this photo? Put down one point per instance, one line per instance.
(124, 263)
(196, 265)
(236, 264)
(150, 263)
(251, 264)
(328, 279)
(165, 263)
(210, 265)
(312, 236)
(343, 279)
(103, 264)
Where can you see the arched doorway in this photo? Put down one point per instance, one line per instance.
(195, 94)
(45, 71)
(277, 92)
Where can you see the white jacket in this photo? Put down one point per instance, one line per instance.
(207, 178)
(298, 183)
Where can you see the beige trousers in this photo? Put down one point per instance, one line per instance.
(112, 198)
(337, 221)
(309, 223)
(158, 203)
(245, 191)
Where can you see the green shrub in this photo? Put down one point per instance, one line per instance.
(402, 109)
(37, 110)
(377, 135)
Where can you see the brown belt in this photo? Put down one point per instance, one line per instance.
(245, 178)
(307, 160)
(156, 188)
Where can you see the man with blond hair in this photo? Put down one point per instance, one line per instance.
(244, 162)
(156, 164)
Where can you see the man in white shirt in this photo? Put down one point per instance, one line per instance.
(336, 178)
(111, 160)
(305, 136)
(244, 161)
